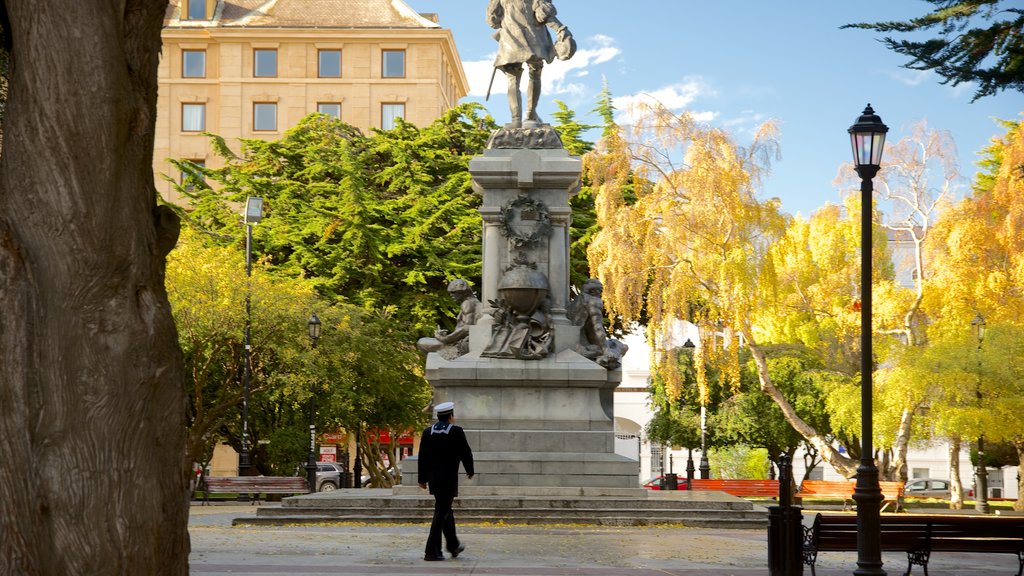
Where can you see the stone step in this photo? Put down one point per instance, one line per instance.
(703, 518)
(523, 505)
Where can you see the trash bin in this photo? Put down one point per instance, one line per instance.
(671, 481)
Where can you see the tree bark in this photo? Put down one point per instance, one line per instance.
(956, 488)
(93, 478)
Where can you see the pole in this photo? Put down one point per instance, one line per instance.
(311, 457)
(867, 493)
(705, 467)
(494, 73)
(244, 464)
(980, 472)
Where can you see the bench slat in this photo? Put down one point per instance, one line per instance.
(738, 487)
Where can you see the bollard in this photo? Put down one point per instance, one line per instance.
(785, 528)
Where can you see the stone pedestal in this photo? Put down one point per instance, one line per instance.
(546, 422)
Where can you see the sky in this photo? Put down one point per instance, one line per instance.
(738, 63)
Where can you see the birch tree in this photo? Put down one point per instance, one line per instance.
(694, 245)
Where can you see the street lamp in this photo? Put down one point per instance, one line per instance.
(314, 335)
(253, 215)
(689, 347)
(867, 137)
(980, 472)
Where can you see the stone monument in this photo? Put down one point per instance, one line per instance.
(534, 386)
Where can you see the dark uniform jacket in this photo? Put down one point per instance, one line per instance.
(442, 447)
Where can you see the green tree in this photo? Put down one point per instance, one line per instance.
(584, 221)
(979, 41)
(381, 221)
(364, 374)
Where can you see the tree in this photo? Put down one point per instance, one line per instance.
(584, 222)
(380, 220)
(752, 418)
(979, 251)
(365, 376)
(91, 378)
(992, 56)
(207, 286)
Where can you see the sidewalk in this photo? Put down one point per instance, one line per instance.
(364, 550)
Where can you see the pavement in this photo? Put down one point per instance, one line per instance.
(220, 548)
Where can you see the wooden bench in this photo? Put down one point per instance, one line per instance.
(892, 492)
(741, 488)
(919, 535)
(254, 485)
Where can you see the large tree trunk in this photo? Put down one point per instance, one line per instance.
(843, 464)
(92, 472)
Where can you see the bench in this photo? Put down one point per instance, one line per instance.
(741, 488)
(919, 535)
(892, 492)
(254, 485)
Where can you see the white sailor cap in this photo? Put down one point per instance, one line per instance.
(444, 408)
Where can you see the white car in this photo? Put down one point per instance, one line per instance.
(927, 488)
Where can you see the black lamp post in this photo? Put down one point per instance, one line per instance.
(314, 335)
(867, 136)
(980, 472)
(689, 347)
(253, 215)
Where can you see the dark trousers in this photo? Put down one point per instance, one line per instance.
(443, 522)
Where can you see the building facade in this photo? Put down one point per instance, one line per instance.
(253, 68)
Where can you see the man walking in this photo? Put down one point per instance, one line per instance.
(442, 447)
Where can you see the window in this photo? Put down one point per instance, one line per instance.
(388, 114)
(193, 63)
(920, 473)
(265, 63)
(264, 116)
(184, 175)
(816, 473)
(394, 63)
(193, 117)
(332, 109)
(196, 10)
(329, 65)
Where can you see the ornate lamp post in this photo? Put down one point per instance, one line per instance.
(689, 347)
(980, 472)
(253, 215)
(867, 136)
(314, 335)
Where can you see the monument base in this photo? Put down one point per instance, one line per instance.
(546, 422)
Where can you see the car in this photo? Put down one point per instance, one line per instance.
(658, 483)
(393, 471)
(927, 488)
(329, 476)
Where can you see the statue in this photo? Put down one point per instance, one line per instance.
(522, 316)
(587, 312)
(454, 344)
(523, 39)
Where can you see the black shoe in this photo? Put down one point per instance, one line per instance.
(457, 551)
(432, 558)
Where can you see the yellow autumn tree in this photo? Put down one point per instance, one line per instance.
(692, 241)
(979, 255)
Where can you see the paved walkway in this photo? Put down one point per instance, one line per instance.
(397, 550)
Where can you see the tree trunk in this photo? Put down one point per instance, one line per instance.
(844, 465)
(1019, 443)
(956, 489)
(93, 478)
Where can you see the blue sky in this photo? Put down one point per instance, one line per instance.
(737, 63)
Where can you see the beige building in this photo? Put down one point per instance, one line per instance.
(254, 68)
